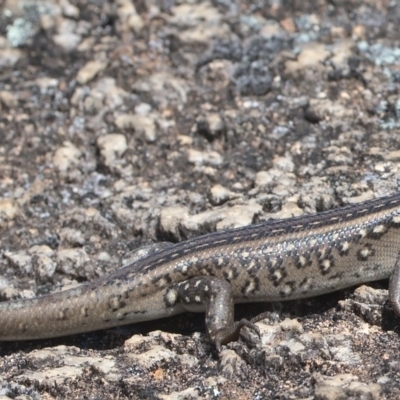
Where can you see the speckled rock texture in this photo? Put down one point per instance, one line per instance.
(124, 123)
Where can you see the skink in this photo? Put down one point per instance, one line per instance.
(270, 261)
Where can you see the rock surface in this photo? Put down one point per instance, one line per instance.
(126, 123)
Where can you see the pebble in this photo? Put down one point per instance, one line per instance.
(199, 23)
(69, 10)
(45, 267)
(156, 355)
(215, 123)
(89, 71)
(128, 16)
(9, 57)
(112, 147)
(21, 260)
(8, 99)
(143, 125)
(204, 157)
(69, 41)
(219, 194)
(312, 55)
(66, 157)
(74, 364)
(73, 262)
(9, 210)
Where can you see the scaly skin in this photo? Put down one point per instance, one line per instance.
(272, 261)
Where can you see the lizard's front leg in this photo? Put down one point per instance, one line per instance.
(215, 296)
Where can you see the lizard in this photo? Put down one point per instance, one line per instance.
(276, 260)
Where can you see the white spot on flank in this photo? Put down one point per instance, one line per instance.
(307, 284)
(365, 252)
(194, 260)
(197, 283)
(251, 265)
(287, 289)
(120, 315)
(345, 246)
(313, 242)
(363, 232)
(251, 286)
(205, 288)
(326, 264)
(273, 262)
(186, 286)
(290, 246)
(335, 236)
(379, 229)
(197, 299)
(245, 254)
(162, 282)
(172, 296)
(220, 261)
(277, 275)
(396, 219)
(302, 261)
